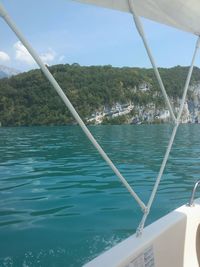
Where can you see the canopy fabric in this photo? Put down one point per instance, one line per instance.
(181, 14)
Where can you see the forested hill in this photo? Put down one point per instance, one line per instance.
(28, 99)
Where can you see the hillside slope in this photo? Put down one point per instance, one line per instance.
(28, 99)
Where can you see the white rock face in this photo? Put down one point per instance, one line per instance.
(149, 113)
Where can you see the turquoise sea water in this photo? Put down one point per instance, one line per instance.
(60, 204)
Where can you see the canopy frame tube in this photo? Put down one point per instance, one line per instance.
(169, 147)
(54, 83)
(141, 32)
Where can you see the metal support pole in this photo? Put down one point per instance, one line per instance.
(139, 27)
(142, 223)
(191, 203)
(53, 82)
(188, 79)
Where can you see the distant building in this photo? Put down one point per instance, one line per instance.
(164, 115)
(144, 86)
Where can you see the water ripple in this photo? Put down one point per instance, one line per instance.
(56, 191)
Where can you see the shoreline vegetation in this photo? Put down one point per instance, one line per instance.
(100, 94)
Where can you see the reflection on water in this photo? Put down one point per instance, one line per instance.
(60, 204)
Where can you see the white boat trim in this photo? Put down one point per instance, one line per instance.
(172, 241)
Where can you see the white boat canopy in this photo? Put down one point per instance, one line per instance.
(181, 14)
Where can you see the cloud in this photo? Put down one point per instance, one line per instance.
(48, 57)
(4, 57)
(22, 54)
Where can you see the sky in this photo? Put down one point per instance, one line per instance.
(67, 32)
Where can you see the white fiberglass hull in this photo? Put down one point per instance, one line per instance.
(172, 241)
